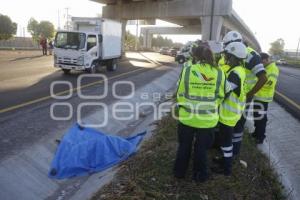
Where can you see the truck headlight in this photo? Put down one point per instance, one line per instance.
(80, 60)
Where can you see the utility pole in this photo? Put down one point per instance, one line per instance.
(297, 48)
(137, 35)
(58, 20)
(67, 17)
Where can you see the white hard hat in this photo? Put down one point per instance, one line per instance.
(238, 49)
(232, 36)
(216, 47)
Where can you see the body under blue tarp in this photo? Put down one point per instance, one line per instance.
(84, 150)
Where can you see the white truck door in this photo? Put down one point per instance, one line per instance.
(92, 47)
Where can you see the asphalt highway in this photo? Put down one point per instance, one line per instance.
(28, 79)
(288, 89)
(25, 94)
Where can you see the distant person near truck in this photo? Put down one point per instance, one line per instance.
(43, 43)
(51, 46)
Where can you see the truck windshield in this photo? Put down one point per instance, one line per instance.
(70, 40)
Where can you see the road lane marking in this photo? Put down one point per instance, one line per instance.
(65, 92)
(98, 82)
(288, 100)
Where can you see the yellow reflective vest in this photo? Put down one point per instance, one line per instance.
(232, 107)
(251, 78)
(266, 93)
(199, 94)
(222, 64)
(222, 61)
(188, 63)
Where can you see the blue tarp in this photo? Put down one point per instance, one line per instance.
(84, 150)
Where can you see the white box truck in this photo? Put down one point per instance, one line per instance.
(93, 42)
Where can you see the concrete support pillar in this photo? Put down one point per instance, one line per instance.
(118, 15)
(147, 40)
(211, 27)
(144, 39)
(223, 32)
(124, 22)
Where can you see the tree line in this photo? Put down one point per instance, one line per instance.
(36, 29)
(158, 41)
(8, 28)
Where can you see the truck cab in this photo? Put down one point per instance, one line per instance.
(91, 44)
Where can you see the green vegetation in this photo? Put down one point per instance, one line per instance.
(293, 62)
(7, 27)
(130, 41)
(36, 29)
(160, 41)
(157, 42)
(277, 47)
(148, 175)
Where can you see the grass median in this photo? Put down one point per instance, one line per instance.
(148, 175)
(292, 62)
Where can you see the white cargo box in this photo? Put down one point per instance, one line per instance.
(110, 31)
(111, 39)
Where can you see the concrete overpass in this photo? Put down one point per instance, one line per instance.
(148, 32)
(213, 17)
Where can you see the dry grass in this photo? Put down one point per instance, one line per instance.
(148, 175)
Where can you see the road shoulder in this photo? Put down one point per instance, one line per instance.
(282, 147)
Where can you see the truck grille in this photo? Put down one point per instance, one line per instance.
(67, 61)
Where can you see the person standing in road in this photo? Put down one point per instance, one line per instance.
(255, 79)
(263, 97)
(43, 43)
(232, 107)
(199, 94)
(51, 46)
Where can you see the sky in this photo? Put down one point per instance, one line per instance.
(268, 19)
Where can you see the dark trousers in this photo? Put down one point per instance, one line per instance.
(203, 140)
(44, 50)
(260, 119)
(225, 135)
(238, 132)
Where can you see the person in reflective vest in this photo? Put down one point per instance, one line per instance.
(255, 79)
(263, 98)
(199, 94)
(223, 65)
(232, 107)
(191, 60)
(188, 63)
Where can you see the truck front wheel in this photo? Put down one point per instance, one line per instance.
(92, 69)
(66, 71)
(181, 60)
(111, 65)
